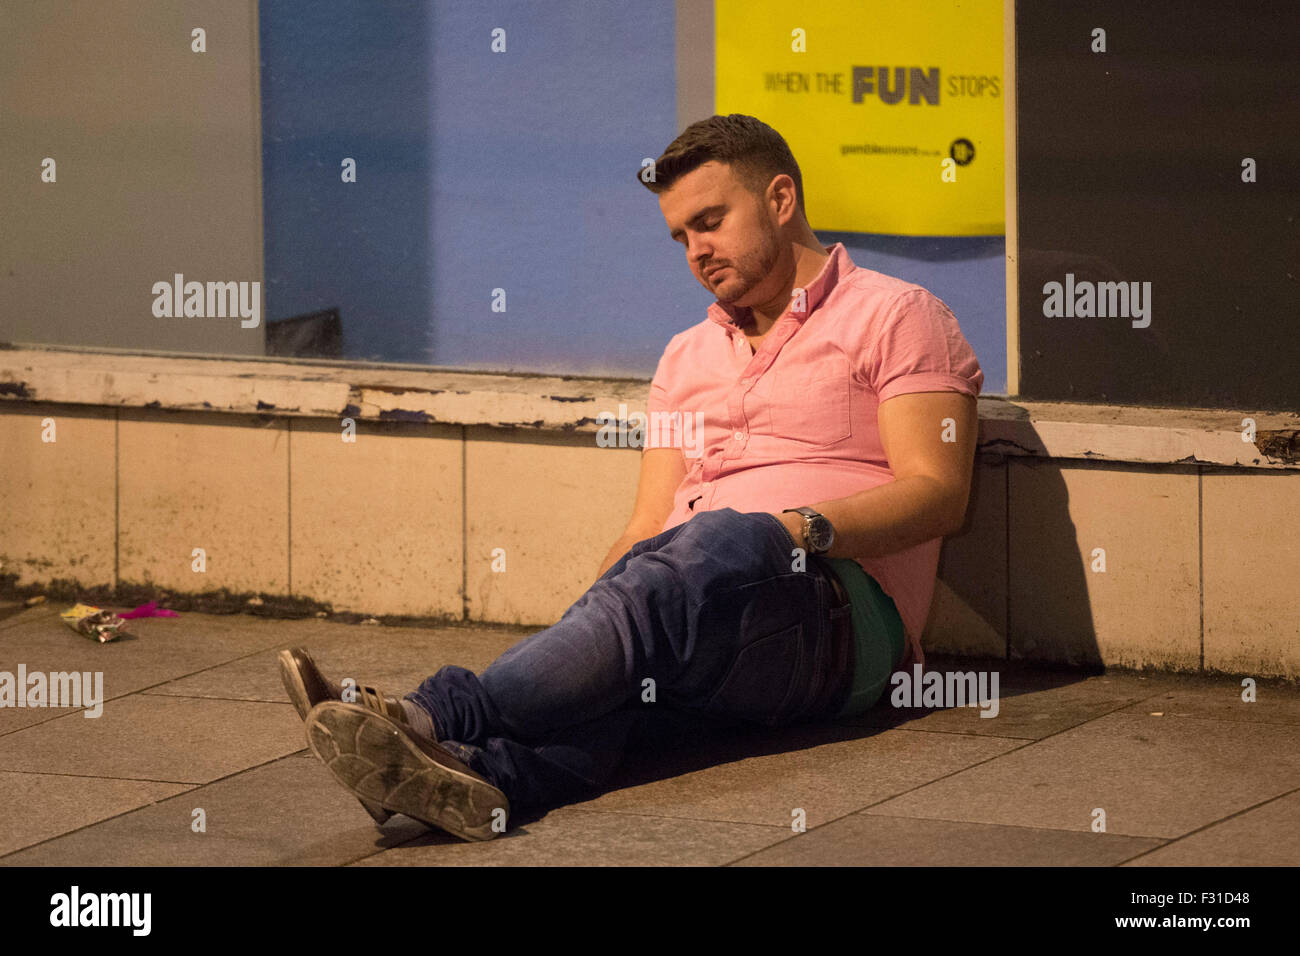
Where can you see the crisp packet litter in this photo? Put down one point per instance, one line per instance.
(94, 623)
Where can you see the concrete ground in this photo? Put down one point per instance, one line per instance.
(195, 718)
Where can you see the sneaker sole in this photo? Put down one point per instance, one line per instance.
(377, 760)
(298, 696)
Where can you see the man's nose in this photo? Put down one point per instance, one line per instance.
(698, 250)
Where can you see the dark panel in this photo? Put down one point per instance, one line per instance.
(1129, 171)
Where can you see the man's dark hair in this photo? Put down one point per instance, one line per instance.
(755, 151)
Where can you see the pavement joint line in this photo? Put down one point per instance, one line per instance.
(134, 693)
(44, 720)
(1023, 826)
(951, 733)
(13, 620)
(1213, 823)
(193, 788)
(210, 667)
(232, 700)
(103, 776)
(665, 816)
(962, 733)
(94, 823)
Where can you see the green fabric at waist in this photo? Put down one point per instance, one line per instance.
(877, 635)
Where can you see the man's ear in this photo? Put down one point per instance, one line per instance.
(782, 193)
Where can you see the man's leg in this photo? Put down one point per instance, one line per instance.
(706, 617)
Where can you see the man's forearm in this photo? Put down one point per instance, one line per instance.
(881, 520)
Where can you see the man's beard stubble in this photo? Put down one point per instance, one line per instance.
(756, 265)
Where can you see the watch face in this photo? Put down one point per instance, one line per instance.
(821, 534)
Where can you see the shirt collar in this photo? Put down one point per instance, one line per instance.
(837, 265)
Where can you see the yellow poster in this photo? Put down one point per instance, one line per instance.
(893, 110)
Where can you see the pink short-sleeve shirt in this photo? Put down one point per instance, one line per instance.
(795, 422)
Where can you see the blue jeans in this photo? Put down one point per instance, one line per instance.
(702, 624)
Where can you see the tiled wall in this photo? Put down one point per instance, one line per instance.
(1200, 564)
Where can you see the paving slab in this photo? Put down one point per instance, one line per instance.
(862, 839)
(157, 650)
(172, 739)
(573, 837)
(16, 613)
(394, 659)
(1153, 776)
(285, 813)
(39, 806)
(10, 609)
(825, 771)
(1268, 835)
(1220, 699)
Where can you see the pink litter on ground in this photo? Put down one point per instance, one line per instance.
(149, 610)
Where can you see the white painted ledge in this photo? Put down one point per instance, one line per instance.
(364, 391)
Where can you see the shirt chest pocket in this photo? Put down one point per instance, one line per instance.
(810, 401)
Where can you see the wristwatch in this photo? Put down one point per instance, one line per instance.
(818, 533)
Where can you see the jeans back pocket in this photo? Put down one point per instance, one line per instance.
(760, 684)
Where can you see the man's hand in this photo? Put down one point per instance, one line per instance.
(662, 470)
(620, 548)
(794, 524)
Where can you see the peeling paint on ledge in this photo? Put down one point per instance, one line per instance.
(525, 403)
(399, 389)
(405, 415)
(1283, 444)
